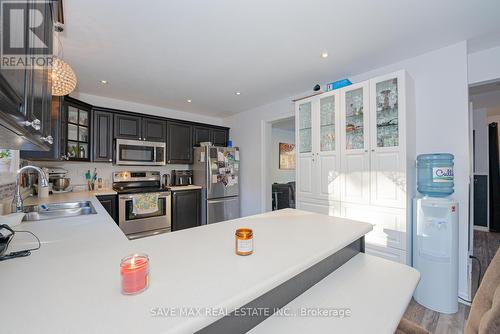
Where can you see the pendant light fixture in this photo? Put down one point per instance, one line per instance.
(63, 76)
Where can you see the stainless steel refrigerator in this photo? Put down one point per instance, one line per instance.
(217, 170)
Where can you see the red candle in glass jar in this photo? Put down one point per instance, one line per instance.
(134, 270)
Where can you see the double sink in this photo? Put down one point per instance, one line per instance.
(58, 210)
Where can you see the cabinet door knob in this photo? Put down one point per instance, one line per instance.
(140, 138)
(373, 150)
(48, 139)
(35, 124)
(110, 160)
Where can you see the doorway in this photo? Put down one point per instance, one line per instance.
(485, 203)
(278, 164)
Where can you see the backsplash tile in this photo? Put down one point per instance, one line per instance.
(7, 191)
(77, 170)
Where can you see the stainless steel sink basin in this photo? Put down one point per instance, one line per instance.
(58, 210)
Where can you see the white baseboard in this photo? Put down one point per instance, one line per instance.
(481, 228)
(463, 298)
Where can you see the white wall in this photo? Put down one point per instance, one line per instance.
(442, 125)
(102, 101)
(246, 131)
(480, 123)
(280, 136)
(484, 65)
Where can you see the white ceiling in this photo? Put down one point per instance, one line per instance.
(165, 52)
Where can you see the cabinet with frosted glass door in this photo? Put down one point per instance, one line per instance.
(355, 163)
(76, 127)
(327, 155)
(387, 124)
(304, 149)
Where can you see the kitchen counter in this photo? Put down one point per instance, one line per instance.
(68, 197)
(72, 284)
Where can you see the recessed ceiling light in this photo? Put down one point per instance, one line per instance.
(324, 54)
(188, 100)
(238, 93)
(104, 82)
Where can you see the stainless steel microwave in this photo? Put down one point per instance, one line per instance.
(138, 152)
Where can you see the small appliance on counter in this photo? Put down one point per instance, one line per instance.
(182, 177)
(58, 182)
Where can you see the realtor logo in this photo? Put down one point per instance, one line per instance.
(24, 33)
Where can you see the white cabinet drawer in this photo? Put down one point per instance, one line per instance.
(396, 255)
(389, 225)
(330, 208)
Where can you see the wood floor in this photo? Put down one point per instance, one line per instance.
(485, 247)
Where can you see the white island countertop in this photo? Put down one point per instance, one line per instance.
(72, 284)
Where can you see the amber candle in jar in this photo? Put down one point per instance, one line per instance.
(134, 270)
(244, 241)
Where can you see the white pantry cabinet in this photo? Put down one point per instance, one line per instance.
(317, 124)
(355, 142)
(356, 158)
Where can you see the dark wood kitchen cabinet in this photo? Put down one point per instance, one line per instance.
(153, 129)
(76, 121)
(201, 134)
(186, 209)
(139, 128)
(179, 143)
(102, 129)
(127, 126)
(26, 91)
(218, 136)
(83, 132)
(110, 203)
(57, 149)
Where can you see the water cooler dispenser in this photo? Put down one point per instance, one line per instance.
(435, 234)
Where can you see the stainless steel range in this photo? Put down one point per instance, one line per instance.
(130, 186)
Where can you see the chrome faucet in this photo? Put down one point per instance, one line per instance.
(17, 202)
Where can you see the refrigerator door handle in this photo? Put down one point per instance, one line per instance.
(209, 169)
(226, 199)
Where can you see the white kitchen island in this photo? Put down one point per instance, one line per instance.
(72, 284)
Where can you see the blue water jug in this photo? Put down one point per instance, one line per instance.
(435, 174)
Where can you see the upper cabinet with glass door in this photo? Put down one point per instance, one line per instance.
(78, 133)
(327, 123)
(355, 120)
(305, 127)
(386, 113)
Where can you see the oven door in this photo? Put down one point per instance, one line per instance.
(136, 225)
(136, 152)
